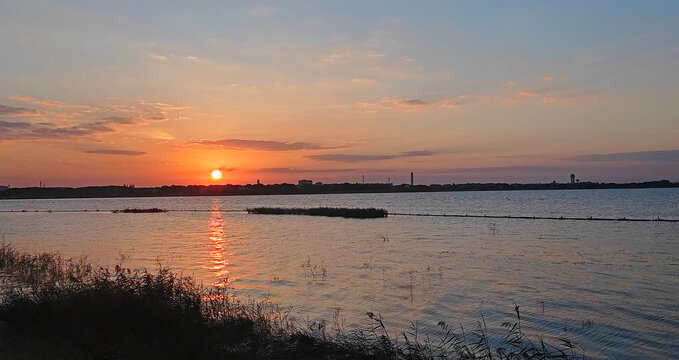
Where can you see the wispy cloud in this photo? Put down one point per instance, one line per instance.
(118, 120)
(39, 102)
(350, 54)
(648, 156)
(415, 153)
(549, 90)
(115, 152)
(405, 103)
(533, 93)
(389, 103)
(263, 12)
(363, 81)
(156, 57)
(53, 119)
(350, 158)
(21, 130)
(262, 145)
(287, 170)
(12, 111)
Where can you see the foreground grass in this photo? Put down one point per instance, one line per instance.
(356, 213)
(69, 309)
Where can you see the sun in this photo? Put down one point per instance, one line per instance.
(216, 174)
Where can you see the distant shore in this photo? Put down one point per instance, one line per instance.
(292, 189)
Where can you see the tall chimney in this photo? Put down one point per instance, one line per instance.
(412, 179)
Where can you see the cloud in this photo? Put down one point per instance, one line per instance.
(56, 120)
(650, 156)
(21, 130)
(450, 102)
(350, 158)
(348, 54)
(415, 153)
(287, 170)
(118, 120)
(263, 145)
(39, 102)
(263, 12)
(389, 103)
(548, 93)
(163, 106)
(519, 169)
(9, 125)
(405, 103)
(533, 93)
(156, 57)
(12, 111)
(197, 60)
(363, 81)
(115, 152)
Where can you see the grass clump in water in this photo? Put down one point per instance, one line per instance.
(355, 213)
(72, 310)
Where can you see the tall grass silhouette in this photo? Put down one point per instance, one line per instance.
(69, 309)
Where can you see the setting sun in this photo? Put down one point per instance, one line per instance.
(216, 174)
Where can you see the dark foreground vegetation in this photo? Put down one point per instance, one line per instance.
(69, 309)
(289, 189)
(355, 213)
(139, 211)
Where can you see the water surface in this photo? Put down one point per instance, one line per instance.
(610, 286)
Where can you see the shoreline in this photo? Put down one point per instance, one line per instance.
(113, 191)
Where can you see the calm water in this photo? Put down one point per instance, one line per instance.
(613, 287)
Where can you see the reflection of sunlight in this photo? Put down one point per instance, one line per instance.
(219, 263)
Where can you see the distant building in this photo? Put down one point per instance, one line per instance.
(3, 187)
(572, 178)
(258, 183)
(304, 182)
(319, 183)
(412, 179)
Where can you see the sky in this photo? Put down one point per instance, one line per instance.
(164, 92)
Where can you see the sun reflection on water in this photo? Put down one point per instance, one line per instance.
(219, 263)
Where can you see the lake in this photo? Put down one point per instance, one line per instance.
(612, 287)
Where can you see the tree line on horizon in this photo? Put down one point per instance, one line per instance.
(288, 189)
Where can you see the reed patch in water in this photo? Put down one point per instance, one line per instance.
(139, 211)
(354, 213)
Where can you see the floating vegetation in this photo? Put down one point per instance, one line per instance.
(493, 228)
(80, 311)
(354, 213)
(314, 270)
(139, 211)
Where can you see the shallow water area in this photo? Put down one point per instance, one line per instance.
(610, 286)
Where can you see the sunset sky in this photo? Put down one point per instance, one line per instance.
(162, 92)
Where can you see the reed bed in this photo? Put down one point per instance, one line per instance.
(139, 211)
(70, 309)
(354, 213)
